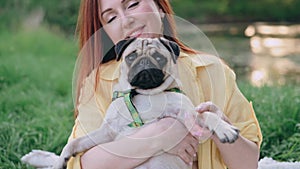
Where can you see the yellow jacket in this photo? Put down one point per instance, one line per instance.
(204, 78)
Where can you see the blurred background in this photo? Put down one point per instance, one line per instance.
(259, 39)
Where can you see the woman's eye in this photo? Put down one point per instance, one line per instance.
(132, 4)
(111, 19)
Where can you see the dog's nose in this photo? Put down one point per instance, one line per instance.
(144, 62)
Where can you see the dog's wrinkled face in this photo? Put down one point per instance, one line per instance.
(148, 60)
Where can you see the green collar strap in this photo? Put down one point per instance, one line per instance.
(175, 89)
(128, 95)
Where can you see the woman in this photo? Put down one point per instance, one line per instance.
(208, 80)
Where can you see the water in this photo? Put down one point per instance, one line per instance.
(258, 69)
(268, 57)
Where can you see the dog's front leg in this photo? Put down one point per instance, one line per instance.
(66, 154)
(224, 131)
(81, 144)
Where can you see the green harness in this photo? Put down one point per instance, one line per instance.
(128, 95)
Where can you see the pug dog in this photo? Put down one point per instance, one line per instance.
(148, 79)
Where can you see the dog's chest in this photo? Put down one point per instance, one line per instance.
(151, 106)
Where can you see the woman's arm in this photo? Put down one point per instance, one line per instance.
(242, 154)
(155, 138)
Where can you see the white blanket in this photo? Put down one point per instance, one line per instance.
(269, 163)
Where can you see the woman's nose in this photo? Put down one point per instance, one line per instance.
(127, 21)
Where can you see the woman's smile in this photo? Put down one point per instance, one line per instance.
(136, 32)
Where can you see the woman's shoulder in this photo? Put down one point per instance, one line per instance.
(212, 63)
(107, 71)
(202, 58)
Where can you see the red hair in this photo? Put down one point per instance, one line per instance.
(87, 26)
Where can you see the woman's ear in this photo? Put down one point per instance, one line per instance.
(121, 46)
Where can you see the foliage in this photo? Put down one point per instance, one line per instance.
(61, 14)
(237, 10)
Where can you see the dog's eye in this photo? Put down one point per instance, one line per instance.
(131, 57)
(157, 56)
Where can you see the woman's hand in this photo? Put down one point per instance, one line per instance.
(211, 107)
(186, 149)
(177, 140)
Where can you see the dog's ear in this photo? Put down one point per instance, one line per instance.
(121, 46)
(110, 55)
(175, 48)
(172, 47)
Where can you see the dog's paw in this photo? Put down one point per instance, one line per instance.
(226, 132)
(40, 159)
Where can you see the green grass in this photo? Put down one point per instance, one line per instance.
(36, 108)
(278, 111)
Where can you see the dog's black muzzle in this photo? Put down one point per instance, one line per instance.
(148, 79)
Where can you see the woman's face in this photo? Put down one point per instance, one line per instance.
(130, 18)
